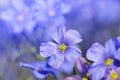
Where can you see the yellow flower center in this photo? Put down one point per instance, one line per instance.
(114, 76)
(63, 47)
(84, 78)
(109, 61)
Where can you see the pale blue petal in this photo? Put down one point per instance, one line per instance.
(58, 35)
(56, 61)
(72, 37)
(58, 20)
(110, 48)
(65, 8)
(71, 55)
(40, 5)
(65, 68)
(7, 15)
(19, 5)
(47, 49)
(98, 72)
(40, 16)
(39, 75)
(29, 25)
(96, 53)
(17, 28)
(117, 55)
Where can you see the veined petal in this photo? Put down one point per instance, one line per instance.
(71, 55)
(58, 35)
(110, 47)
(117, 55)
(72, 37)
(65, 68)
(96, 53)
(39, 75)
(47, 49)
(98, 72)
(56, 61)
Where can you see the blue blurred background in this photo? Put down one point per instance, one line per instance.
(24, 24)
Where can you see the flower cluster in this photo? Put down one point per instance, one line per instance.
(23, 17)
(104, 65)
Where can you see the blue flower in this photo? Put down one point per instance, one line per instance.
(114, 74)
(18, 16)
(50, 11)
(63, 47)
(40, 69)
(103, 57)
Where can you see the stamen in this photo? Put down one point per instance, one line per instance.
(109, 61)
(63, 47)
(114, 76)
(84, 78)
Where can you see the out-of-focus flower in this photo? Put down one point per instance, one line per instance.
(62, 48)
(18, 16)
(107, 10)
(50, 11)
(4, 4)
(40, 69)
(75, 77)
(103, 57)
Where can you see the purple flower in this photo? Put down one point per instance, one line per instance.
(75, 77)
(40, 69)
(81, 65)
(103, 57)
(50, 11)
(63, 47)
(114, 74)
(18, 16)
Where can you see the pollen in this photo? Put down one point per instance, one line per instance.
(63, 47)
(84, 78)
(109, 61)
(114, 76)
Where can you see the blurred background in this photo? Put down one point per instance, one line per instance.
(24, 24)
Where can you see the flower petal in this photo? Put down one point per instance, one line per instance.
(96, 53)
(34, 66)
(65, 8)
(72, 37)
(110, 47)
(98, 72)
(72, 54)
(56, 61)
(65, 68)
(7, 15)
(58, 35)
(75, 77)
(47, 49)
(39, 75)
